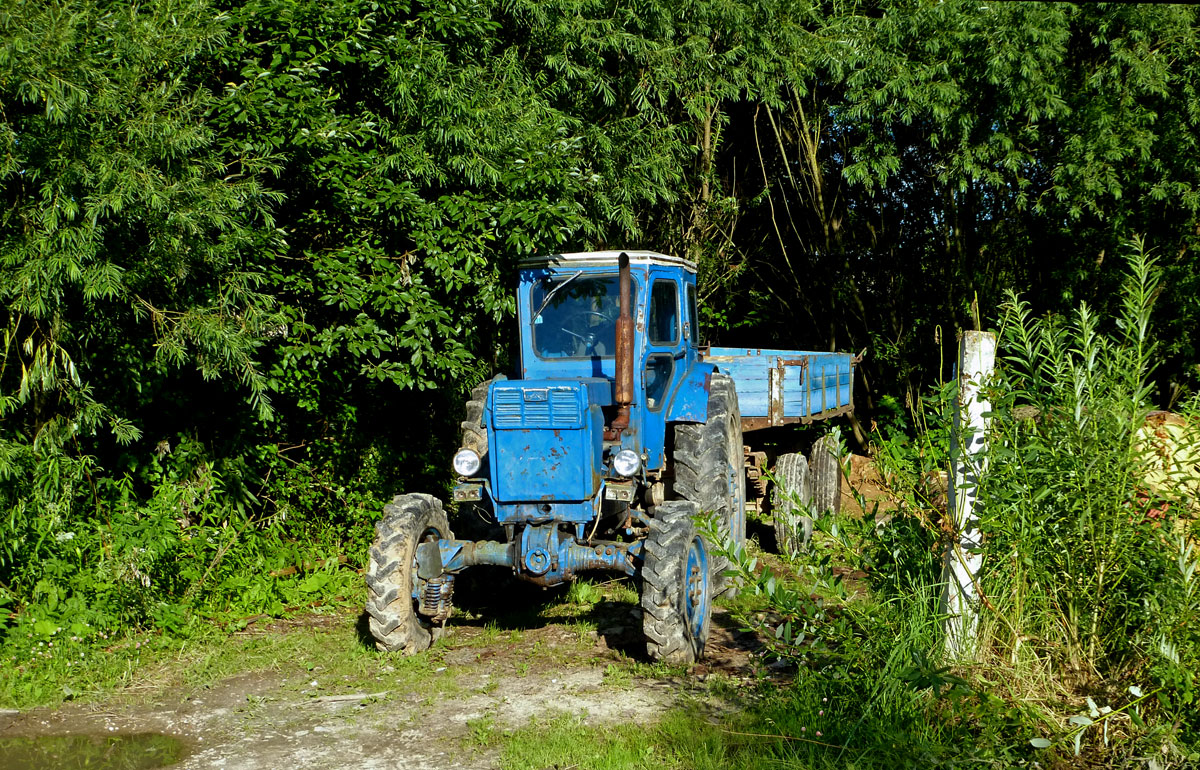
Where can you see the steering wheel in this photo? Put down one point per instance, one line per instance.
(580, 320)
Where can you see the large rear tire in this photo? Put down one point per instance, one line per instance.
(826, 470)
(710, 472)
(676, 585)
(474, 434)
(392, 581)
(791, 503)
(473, 520)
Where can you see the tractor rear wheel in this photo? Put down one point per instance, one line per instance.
(791, 503)
(710, 470)
(474, 435)
(393, 586)
(826, 471)
(472, 519)
(676, 585)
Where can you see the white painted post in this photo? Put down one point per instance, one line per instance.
(968, 445)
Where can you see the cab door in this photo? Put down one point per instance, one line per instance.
(663, 363)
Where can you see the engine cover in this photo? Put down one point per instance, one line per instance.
(545, 439)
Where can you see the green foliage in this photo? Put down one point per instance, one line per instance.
(1088, 577)
(1070, 543)
(252, 253)
(925, 157)
(122, 260)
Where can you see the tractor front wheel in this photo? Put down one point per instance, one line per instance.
(676, 585)
(393, 587)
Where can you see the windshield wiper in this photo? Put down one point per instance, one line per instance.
(550, 296)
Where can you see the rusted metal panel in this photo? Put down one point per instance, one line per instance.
(775, 395)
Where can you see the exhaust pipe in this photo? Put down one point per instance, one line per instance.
(624, 349)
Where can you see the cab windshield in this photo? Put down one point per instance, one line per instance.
(580, 318)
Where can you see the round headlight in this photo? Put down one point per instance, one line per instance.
(466, 462)
(626, 462)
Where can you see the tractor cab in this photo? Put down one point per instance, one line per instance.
(568, 312)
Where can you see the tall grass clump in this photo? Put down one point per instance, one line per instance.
(1086, 576)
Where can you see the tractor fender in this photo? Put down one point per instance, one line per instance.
(690, 402)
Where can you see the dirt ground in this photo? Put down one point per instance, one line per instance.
(476, 682)
(865, 481)
(300, 713)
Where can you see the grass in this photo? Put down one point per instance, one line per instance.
(138, 666)
(872, 698)
(568, 741)
(868, 703)
(64, 666)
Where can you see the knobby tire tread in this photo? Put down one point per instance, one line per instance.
(701, 460)
(393, 619)
(791, 497)
(826, 472)
(664, 621)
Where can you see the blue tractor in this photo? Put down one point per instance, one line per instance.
(619, 431)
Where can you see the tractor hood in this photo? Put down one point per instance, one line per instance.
(547, 439)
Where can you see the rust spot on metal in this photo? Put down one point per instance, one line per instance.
(758, 423)
(775, 376)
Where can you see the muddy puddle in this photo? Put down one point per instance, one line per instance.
(138, 751)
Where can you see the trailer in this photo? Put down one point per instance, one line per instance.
(781, 387)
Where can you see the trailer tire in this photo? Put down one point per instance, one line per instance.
(826, 471)
(710, 472)
(791, 503)
(676, 585)
(392, 573)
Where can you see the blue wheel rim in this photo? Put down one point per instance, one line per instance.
(696, 589)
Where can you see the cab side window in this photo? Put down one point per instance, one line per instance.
(657, 376)
(664, 313)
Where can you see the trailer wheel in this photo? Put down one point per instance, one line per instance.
(791, 503)
(826, 471)
(709, 469)
(676, 585)
(392, 582)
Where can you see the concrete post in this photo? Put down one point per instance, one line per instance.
(968, 453)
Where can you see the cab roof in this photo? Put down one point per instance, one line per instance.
(580, 259)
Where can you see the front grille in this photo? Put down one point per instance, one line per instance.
(564, 406)
(506, 407)
(553, 407)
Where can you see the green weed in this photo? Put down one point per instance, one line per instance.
(481, 732)
(584, 592)
(617, 677)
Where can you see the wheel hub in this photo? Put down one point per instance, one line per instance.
(696, 591)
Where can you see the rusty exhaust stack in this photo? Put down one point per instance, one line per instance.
(624, 349)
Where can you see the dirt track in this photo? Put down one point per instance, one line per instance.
(443, 710)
